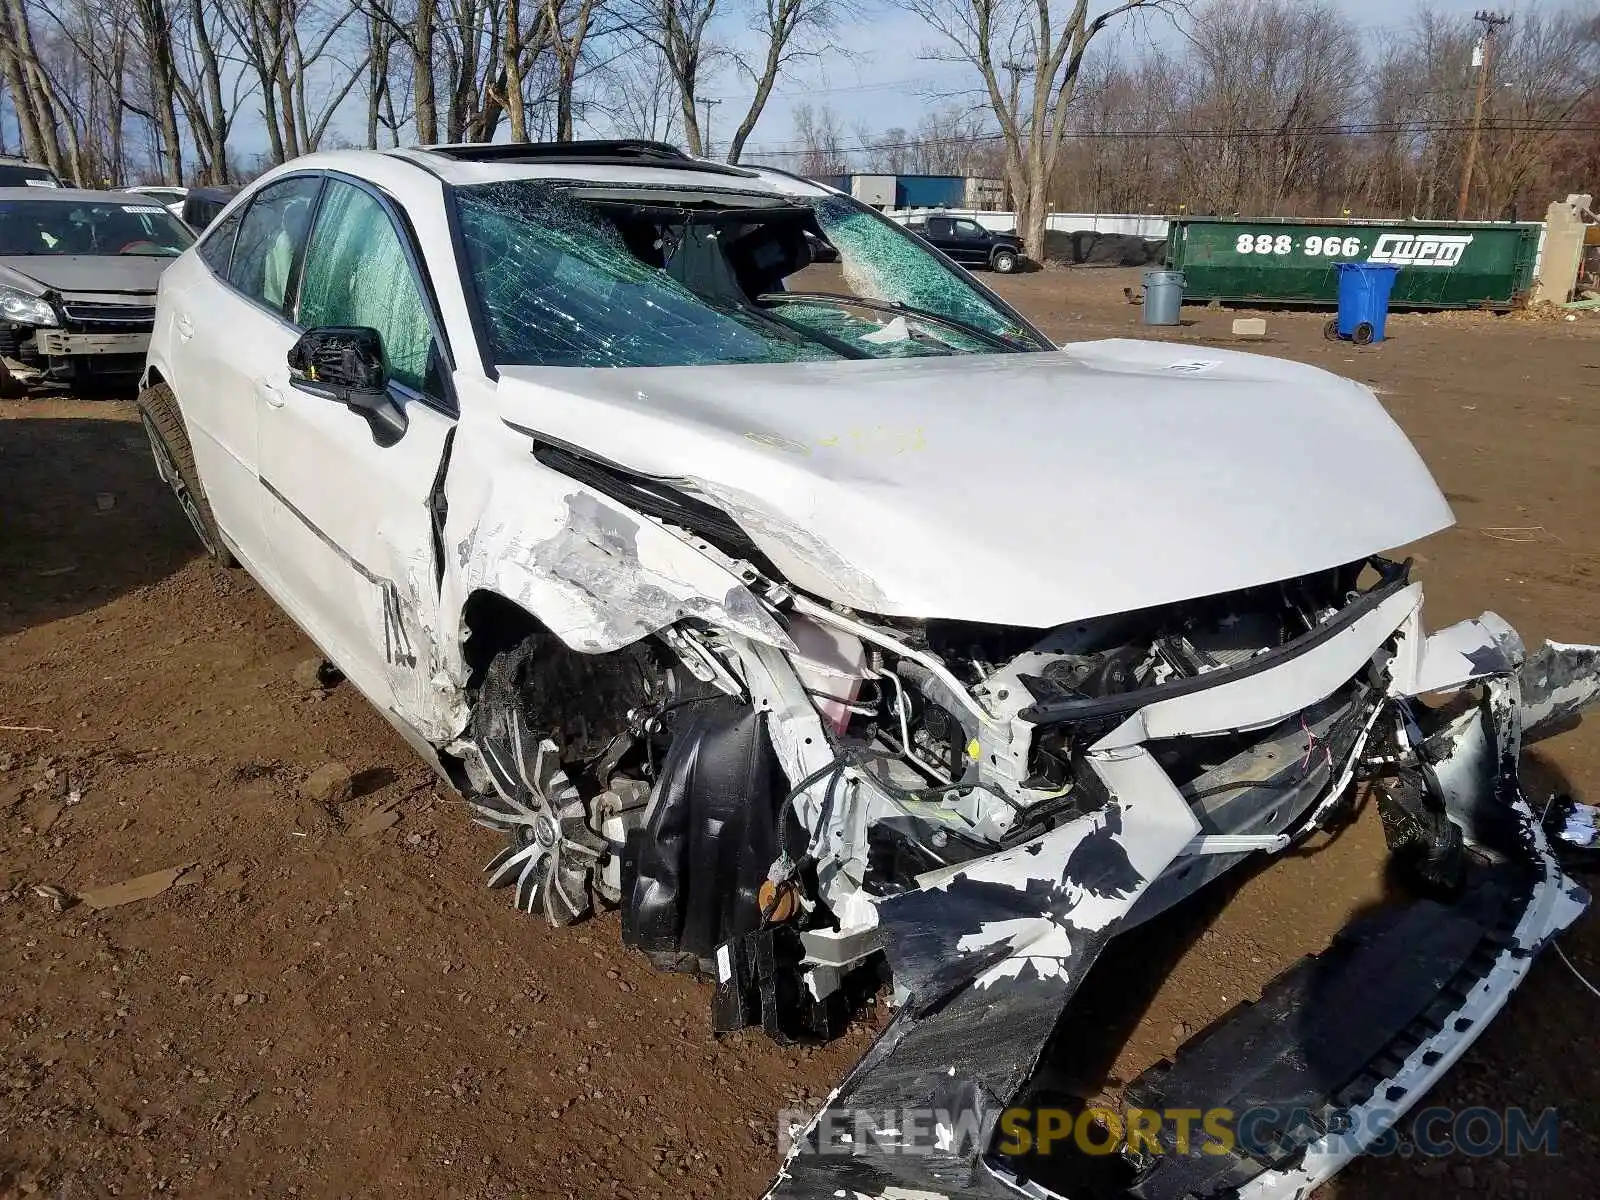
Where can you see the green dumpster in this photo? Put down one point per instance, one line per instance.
(1273, 261)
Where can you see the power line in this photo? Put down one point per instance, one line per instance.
(881, 86)
(1368, 129)
(708, 101)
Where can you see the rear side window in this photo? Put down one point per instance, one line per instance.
(270, 238)
(216, 249)
(939, 226)
(18, 175)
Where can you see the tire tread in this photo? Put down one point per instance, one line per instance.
(159, 405)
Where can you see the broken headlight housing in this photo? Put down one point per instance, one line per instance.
(22, 309)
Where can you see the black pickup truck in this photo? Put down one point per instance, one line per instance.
(969, 243)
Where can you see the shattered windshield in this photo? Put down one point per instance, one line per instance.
(579, 276)
(880, 262)
(140, 227)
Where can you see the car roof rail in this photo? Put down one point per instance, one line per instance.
(607, 152)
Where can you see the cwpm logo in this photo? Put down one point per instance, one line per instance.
(1260, 1132)
(1421, 249)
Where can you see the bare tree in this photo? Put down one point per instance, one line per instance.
(789, 30)
(30, 87)
(821, 142)
(1267, 105)
(891, 153)
(677, 29)
(287, 43)
(388, 81)
(198, 34)
(417, 30)
(951, 140)
(512, 62)
(1281, 73)
(1544, 72)
(1028, 60)
(640, 97)
(155, 28)
(568, 23)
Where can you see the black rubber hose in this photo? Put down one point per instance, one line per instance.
(838, 764)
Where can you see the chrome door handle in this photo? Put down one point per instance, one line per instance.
(272, 393)
(184, 326)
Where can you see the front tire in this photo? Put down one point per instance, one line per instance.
(551, 854)
(174, 458)
(1004, 262)
(11, 388)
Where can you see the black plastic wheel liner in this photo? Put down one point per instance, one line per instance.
(693, 870)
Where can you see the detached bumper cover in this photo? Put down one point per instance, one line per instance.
(987, 955)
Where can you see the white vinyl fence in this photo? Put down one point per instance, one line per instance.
(1141, 224)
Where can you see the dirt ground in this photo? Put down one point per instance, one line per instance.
(327, 1002)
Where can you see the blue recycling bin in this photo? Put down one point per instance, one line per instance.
(1363, 302)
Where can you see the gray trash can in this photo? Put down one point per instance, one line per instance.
(1163, 297)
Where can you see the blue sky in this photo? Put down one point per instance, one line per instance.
(881, 79)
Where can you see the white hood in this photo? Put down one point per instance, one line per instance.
(1026, 489)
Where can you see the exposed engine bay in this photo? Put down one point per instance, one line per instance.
(969, 813)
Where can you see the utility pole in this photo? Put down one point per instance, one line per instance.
(1490, 22)
(705, 140)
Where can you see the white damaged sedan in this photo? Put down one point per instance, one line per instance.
(840, 629)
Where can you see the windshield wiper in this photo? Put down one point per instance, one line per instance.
(838, 345)
(998, 340)
(747, 312)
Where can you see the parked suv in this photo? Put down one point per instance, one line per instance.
(202, 205)
(842, 636)
(969, 243)
(19, 172)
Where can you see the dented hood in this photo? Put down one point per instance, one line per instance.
(84, 273)
(1026, 489)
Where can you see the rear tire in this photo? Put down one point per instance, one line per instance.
(1364, 334)
(1004, 262)
(174, 457)
(1331, 331)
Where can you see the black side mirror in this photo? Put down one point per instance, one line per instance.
(346, 364)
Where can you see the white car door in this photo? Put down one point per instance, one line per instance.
(348, 512)
(230, 340)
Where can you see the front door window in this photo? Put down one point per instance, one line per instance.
(357, 273)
